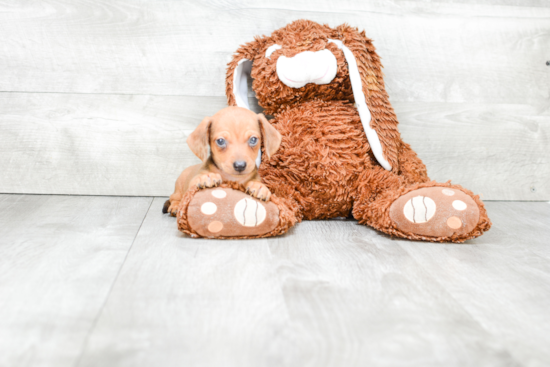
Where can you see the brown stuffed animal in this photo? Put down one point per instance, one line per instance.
(341, 151)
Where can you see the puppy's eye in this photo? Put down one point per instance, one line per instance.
(253, 141)
(221, 142)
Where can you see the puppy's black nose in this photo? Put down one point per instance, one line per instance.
(239, 166)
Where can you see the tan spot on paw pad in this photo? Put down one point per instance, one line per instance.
(454, 222)
(215, 226)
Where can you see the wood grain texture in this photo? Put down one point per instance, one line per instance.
(493, 52)
(111, 89)
(503, 279)
(356, 299)
(328, 293)
(525, 3)
(135, 145)
(97, 144)
(185, 302)
(59, 256)
(499, 151)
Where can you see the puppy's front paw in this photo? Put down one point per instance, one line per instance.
(207, 180)
(258, 190)
(173, 208)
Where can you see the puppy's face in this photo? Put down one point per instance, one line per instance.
(234, 136)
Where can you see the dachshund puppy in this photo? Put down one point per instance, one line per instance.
(234, 136)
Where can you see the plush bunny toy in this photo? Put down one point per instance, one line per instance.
(341, 152)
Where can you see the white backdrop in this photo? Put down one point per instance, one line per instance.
(98, 97)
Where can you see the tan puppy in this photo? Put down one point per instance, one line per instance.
(234, 136)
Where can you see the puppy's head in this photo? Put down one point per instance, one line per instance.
(234, 136)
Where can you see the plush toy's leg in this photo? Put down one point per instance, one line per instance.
(228, 212)
(411, 168)
(429, 211)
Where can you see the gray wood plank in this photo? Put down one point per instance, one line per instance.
(529, 223)
(59, 256)
(135, 145)
(329, 293)
(529, 3)
(501, 152)
(190, 302)
(502, 278)
(357, 299)
(432, 51)
(97, 144)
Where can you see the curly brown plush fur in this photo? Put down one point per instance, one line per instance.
(325, 167)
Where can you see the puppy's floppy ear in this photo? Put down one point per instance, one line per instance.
(199, 140)
(271, 137)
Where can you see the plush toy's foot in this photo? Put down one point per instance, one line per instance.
(228, 212)
(437, 213)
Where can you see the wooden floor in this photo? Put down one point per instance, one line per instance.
(109, 281)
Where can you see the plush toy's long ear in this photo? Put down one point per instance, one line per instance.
(199, 140)
(372, 101)
(240, 66)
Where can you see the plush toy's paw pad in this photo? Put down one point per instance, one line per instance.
(223, 212)
(435, 212)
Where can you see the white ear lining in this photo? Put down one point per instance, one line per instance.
(361, 105)
(240, 91)
(240, 88)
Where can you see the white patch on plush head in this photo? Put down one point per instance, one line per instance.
(271, 49)
(307, 67)
(360, 103)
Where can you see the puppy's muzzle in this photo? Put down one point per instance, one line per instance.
(239, 166)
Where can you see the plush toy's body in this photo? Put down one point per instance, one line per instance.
(341, 152)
